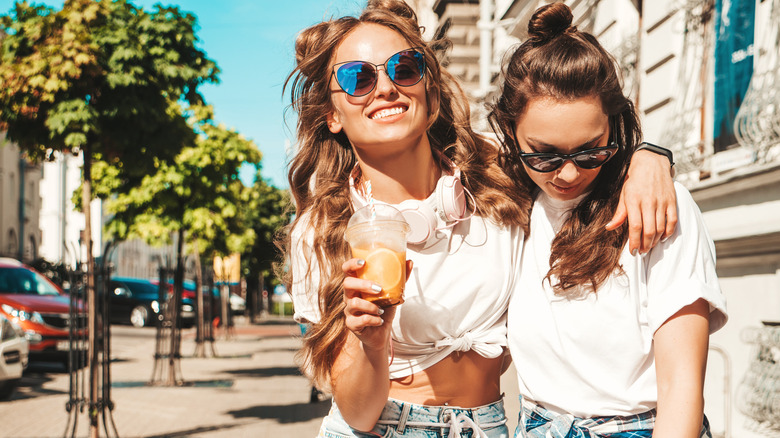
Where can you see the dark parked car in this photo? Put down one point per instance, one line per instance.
(41, 310)
(211, 303)
(137, 301)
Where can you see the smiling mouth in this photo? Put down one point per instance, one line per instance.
(387, 112)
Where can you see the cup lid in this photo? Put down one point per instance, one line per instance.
(377, 213)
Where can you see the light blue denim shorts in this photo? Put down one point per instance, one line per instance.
(537, 422)
(401, 419)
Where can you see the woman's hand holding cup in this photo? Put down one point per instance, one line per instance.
(377, 272)
(364, 318)
(369, 322)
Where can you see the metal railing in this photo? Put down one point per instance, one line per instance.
(759, 392)
(757, 123)
(85, 375)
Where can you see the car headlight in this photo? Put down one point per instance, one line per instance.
(155, 306)
(33, 337)
(187, 308)
(22, 315)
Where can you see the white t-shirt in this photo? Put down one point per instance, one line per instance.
(455, 298)
(593, 355)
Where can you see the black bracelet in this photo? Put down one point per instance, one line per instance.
(656, 149)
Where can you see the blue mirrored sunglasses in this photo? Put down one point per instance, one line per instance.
(358, 78)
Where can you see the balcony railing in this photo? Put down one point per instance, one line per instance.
(757, 125)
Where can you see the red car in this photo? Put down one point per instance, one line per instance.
(41, 310)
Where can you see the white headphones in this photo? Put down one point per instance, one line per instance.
(447, 204)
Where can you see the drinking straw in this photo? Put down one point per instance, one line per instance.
(370, 197)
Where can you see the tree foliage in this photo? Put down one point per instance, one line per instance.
(199, 191)
(100, 73)
(267, 211)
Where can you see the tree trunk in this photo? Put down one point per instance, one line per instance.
(178, 288)
(86, 195)
(225, 307)
(199, 315)
(252, 284)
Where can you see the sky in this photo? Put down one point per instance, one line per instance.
(252, 42)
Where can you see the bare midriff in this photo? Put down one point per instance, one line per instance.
(463, 379)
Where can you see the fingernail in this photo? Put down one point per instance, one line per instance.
(381, 311)
(633, 252)
(664, 239)
(361, 262)
(376, 288)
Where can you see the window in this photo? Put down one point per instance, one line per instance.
(24, 281)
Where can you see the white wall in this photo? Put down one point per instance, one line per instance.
(752, 297)
(61, 225)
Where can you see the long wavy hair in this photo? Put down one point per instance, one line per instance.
(560, 62)
(319, 171)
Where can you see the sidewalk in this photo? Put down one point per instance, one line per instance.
(253, 389)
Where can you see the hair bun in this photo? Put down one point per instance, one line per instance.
(307, 41)
(397, 7)
(549, 21)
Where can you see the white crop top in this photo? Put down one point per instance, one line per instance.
(592, 355)
(455, 299)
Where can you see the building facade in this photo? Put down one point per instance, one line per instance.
(61, 224)
(704, 75)
(20, 202)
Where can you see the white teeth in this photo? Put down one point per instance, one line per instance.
(387, 112)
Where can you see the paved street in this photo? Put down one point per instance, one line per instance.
(252, 389)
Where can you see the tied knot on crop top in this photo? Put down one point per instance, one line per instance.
(467, 342)
(463, 343)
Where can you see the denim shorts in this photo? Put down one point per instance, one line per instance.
(401, 419)
(537, 422)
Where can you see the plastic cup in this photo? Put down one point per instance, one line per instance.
(377, 234)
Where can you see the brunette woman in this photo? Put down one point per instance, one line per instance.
(605, 342)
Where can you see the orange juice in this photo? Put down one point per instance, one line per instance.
(377, 234)
(386, 268)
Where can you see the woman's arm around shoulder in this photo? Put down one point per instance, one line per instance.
(647, 201)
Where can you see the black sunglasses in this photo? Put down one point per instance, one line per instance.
(358, 78)
(587, 159)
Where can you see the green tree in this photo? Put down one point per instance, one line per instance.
(197, 196)
(102, 78)
(267, 211)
